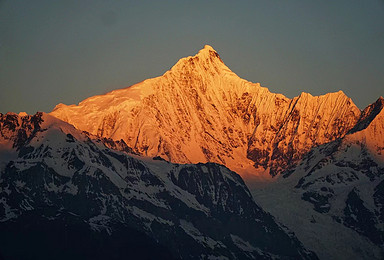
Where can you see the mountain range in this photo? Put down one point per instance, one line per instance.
(160, 161)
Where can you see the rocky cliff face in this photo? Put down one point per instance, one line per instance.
(200, 111)
(67, 194)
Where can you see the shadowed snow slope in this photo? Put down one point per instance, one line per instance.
(334, 198)
(200, 111)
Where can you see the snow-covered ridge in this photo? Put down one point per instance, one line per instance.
(337, 188)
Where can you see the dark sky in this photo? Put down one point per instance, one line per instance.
(65, 51)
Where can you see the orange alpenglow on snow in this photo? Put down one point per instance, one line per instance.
(201, 111)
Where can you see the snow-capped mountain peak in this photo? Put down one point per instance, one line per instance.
(201, 111)
(206, 62)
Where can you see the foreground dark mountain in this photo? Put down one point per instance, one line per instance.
(67, 195)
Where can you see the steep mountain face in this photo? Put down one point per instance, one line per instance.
(325, 154)
(334, 197)
(65, 194)
(200, 111)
